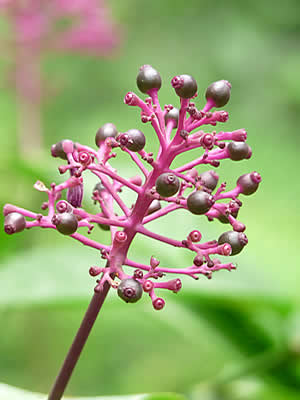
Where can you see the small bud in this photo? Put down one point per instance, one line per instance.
(148, 286)
(154, 262)
(195, 236)
(138, 274)
(175, 285)
(94, 271)
(120, 237)
(158, 303)
(63, 206)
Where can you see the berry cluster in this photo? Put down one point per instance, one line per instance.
(159, 189)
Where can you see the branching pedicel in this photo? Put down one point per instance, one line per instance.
(159, 191)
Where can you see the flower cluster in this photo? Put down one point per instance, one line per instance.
(159, 189)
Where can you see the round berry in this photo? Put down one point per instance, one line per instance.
(14, 222)
(148, 78)
(199, 202)
(238, 151)
(172, 115)
(185, 86)
(237, 241)
(136, 140)
(249, 183)
(219, 92)
(154, 206)
(198, 260)
(158, 303)
(58, 151)
(209, 179)
(130, 290)
(66, 223)
(107, 130)
(167, 184)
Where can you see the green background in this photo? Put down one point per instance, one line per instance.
(233, 337)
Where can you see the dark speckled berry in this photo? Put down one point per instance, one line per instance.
(237, 241)
(172, 115)
(209, 179)
(58, 151)
(199, 202)
(136, 140)
(185, 86)
(238, 151)
(107, 130)
(249, 183)
(219, 92)
(148, 78)
(14, 222)
(167, 184)
(66, 223)
(130, 290)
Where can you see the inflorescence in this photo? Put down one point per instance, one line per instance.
(159, 191)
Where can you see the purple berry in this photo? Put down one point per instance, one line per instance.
(237, 241)
(199, 202)
(106, 130)
(219, 92)
(148, 78)
(167, 184)
(249, 183)
(66, 223)
(130, 290)
(14, 222)
(172, 115)
(136, 140)
(185, 86)
(238, 151)
(209, 179)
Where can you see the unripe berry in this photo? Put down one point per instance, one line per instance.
(238, 151)
(199, 202)
(167, 184)
(209, 179)
(148, 78)
(66, 223)
(249, 183)
(198, 260)
(185, 86)
(98, 187)
(154, 206)
(136, 140)
(130, 290)
(237, 241)
(58, 151)
(219, 92)
(14, 222)
(107, 130)
(172, 115)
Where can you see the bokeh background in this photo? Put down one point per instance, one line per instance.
(235, 337)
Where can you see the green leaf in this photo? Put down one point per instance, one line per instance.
(12, 393)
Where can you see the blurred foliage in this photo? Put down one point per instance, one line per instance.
(233, 338)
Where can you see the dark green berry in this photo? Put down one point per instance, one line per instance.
(130, 290)
(107, 130)
(136, 140)
(58, 151)
(172, 115)
(185, 86)
(66, 223)
(167, 184)
(154, 206)
(219, 92)
(209, 179)
(14, 222)
(249, 183)
(238, 151)
(199, 202)
(237, 241)
(148, 78)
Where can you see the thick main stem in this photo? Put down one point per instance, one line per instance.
(73, 355)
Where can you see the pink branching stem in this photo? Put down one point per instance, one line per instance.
(158, 192)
